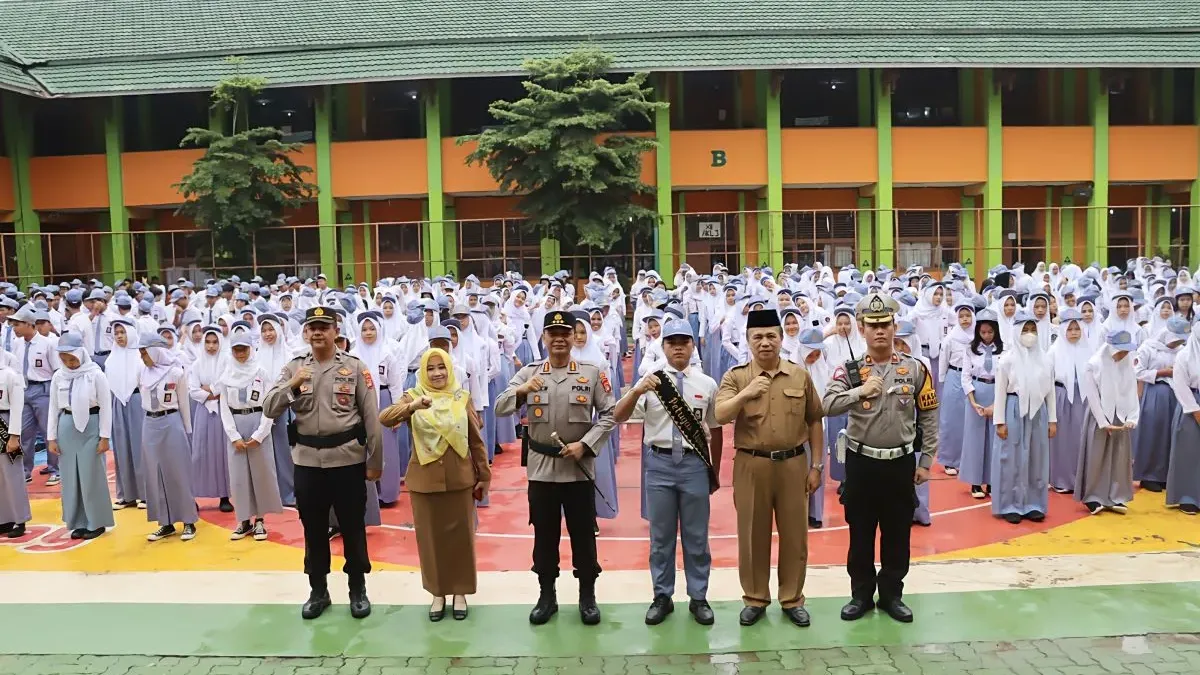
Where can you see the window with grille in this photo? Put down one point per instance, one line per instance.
(927, 238)
(491, 247)
(819, 236)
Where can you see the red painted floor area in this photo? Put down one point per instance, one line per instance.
(505, 539)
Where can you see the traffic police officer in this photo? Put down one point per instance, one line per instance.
(561, 396)
(336, 448)
(677, 477)
(883, 467)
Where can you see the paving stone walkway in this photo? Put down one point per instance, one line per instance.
(1138, 655)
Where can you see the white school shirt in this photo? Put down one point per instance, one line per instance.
(170, 394)
(973, 366)
(102, 329)
(12, 399)
(80, 323)
(43, 359)
(1147, 362)
(700, 393)
(241, 399)
(60, 400)
(1185, 379)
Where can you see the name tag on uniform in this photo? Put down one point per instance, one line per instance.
(254, 395)
(167, 397)
(37, 363)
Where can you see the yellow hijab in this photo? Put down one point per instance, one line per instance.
(444, 424)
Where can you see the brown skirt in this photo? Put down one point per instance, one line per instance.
(445, 528)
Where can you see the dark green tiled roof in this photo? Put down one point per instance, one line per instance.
(90, 47)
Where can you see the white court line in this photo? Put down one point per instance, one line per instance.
(621, 586)
(811, 532)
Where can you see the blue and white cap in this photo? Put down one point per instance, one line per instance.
(677, 328)
(1121, 341)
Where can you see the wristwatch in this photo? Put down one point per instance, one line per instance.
(818, 467)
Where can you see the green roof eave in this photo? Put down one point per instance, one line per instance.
(429, 61)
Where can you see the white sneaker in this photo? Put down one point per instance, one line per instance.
(54, 479)
(1119, 508)
(951, 471)
(260, 531)
(189, 532)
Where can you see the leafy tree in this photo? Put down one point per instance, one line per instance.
(561, 149)
(243, 182)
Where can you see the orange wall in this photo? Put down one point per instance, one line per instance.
(1152, 153)
(148, 177)
(483, 208)
(824, 199)
(710, 201)
(1048, 154)
(830, 156)
(457, 177)
(379, 168)
(745, 156)
(939, 155)
(924, 198)
(7, 201)
(396, 210)
(71, 182)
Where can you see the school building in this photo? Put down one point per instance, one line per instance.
(875, 131)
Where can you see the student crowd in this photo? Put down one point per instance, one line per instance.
(1077, 380)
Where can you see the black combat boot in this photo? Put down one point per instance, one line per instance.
(589, 613)
(547, 604)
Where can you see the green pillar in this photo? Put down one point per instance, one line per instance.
(1149, 222)
(662, 130)
(435, 228)
(763, 226)
(966, 228)
(864, 251)
(119, 265)
(885, 247)
(1068, 97)
(368, 249)
(742, 252)
(326, 211)
(426, 259)
(1048, 225)
(993, 189)
(1193, 249)
(1167, 78)
(774, 174)
(18, 137)
(1097, 244)
(1162, 225)
(1066, 230)
(450, 231)
(966, 97)
(153, 251)
(346, 247)
(681, 227)
(551, 256)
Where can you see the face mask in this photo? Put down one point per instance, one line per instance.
(1029, 340)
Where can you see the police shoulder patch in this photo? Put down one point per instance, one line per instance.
(927, 398)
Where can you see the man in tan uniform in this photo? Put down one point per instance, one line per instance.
(575, 401)
(883, 468)
(336, 449)
(777, 415)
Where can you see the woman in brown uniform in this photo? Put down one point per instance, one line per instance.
(449, 474)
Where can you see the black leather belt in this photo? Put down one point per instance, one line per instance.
(136, 390)
(160, 413)
(102, 353)
(980, 379)
(245, 411)
(332, 440)
(547, 450)
(94, 410)
(382, 387)
(954, 368)
(1060, 384)
(775, 455)
(668, 451)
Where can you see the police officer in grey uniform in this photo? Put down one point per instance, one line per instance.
(336, 447)
(561, 396)
(883, 467)
(677, 478)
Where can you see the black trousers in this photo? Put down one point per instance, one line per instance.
(879, 495)
(345, 489)
(548, 503)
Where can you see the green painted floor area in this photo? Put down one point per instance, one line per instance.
(503, 631)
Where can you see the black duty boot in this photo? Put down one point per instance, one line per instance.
(547, 605)
(589, 613)
(318, 599)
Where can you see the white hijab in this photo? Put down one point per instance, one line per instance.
(1030, 370)
(124, 365)
(1070, 360)
(82, 385)
(1117, 385)
(272, 358)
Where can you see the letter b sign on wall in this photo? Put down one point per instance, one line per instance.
(718, 158)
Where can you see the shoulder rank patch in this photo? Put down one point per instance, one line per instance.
(605, 383)
(546, 367)
(927, 398)
(367, 376)
(572, 367)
